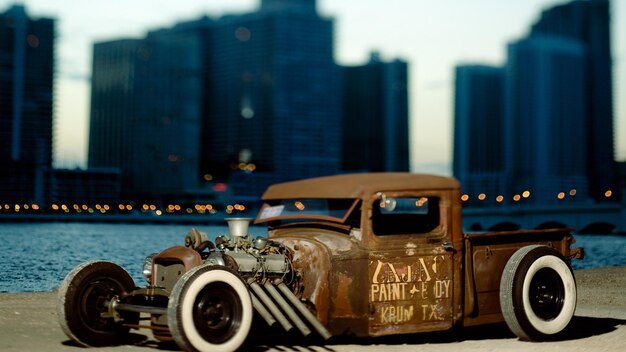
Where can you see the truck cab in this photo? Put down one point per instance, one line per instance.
(385, 253)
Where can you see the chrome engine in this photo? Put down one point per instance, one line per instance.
(257, 259)
(264, 265)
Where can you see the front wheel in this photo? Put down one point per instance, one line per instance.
(210, 309)
(537, 293)
(83, 301)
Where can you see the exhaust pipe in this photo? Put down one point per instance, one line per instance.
(287, 309)
(304, 311)
(268, 308)
(263, 312)
(271, 306)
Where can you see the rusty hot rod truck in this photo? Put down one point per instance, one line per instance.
(363, 254)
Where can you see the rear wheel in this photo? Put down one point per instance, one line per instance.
(83, 301)
(210, 309)
(537, 293)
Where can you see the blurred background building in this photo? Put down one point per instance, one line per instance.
(546, 148)
(237, 103)
(275, 106)
(26, 104)
(27, 69)
(375, 116)
(589, 23)
(479, 125)
(552, 140)
(145, 113)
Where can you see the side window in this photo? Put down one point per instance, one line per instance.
(407, 215)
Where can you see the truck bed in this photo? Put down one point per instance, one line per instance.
(486, 254)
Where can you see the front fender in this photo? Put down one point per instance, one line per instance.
(311, 259)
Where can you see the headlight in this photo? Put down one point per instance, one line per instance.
(147, 268)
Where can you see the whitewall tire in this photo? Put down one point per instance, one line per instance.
(210, 309)
(537, 293)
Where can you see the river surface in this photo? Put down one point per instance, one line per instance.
(36, 257)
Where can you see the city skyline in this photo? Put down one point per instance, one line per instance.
(481, 40)
(190, 101)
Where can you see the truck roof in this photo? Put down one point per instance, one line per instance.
(358, 185)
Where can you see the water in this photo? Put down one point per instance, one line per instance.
(601, 251)
(36, 257)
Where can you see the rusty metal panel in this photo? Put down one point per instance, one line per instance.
(349, 306)
(410, 294)
(358, 185)
(332, 269)
(189, 257)
(311, 261)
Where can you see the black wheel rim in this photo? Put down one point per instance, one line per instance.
(96, 296)
(546, 294)
(217, 312)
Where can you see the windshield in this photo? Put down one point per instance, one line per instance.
(326, 209)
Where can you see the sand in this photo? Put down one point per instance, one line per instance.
(28, 322)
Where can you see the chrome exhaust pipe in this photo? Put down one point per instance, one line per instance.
(263, 312)
(271, 306)
(287, 309)
(304, 311)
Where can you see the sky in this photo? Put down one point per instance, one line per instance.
(432, 36)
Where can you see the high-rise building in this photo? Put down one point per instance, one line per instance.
(545, 123)
(85, 187)
(589, 22)
(253, 92)
(112, 103)
(479, 132)
(145, 113)
(258, 100)
(26, 104)
(375, 117)
(558, 114)
(275, 101)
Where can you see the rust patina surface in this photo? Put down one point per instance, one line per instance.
(357, 185)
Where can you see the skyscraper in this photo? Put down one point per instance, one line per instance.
(112, 103)
(479, 131)
(546, 148)
(259, 89)
(375, 117)
(558, 115)
(589, 22)
(262, 92)
(26, 103)
(145, 113)
(275, 102)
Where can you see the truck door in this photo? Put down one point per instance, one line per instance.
(410, 264)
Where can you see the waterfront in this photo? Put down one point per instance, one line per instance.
(35, 257)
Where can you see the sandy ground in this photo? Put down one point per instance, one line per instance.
(28, 322)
